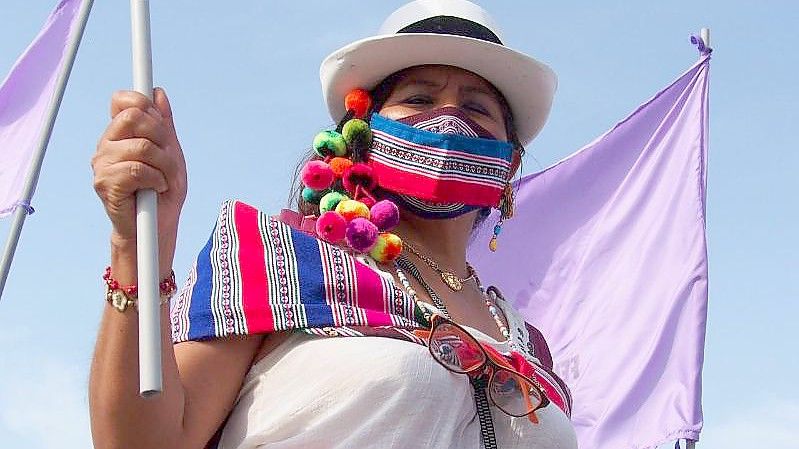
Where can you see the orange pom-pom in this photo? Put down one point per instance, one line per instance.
(339, 165)
(358, 101)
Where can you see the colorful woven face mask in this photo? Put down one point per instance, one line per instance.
(439, 164)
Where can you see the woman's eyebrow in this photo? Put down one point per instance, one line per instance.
(479, 90)
(421, 82)
(469, 89)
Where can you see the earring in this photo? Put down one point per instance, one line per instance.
(505, 213)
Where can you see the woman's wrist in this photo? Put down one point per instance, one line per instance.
(124, 257)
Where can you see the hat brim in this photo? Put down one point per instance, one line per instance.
(527, 84)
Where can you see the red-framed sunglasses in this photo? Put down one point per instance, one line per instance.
(458, 351)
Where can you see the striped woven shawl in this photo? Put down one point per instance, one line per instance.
(258, 275)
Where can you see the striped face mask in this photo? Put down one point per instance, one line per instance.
(439, 164)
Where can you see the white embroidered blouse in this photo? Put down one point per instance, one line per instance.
(372, 392)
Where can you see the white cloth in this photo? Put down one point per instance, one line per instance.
(371, 392)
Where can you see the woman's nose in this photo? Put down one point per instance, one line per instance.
(447, 97)
(447, 102)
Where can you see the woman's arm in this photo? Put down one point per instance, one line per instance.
(201, 382)
(140, 150)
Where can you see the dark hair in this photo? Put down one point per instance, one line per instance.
(379, 96)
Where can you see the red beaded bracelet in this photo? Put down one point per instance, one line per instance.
(122, 297)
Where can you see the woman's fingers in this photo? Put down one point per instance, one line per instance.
(115, 185)
(135, 123)
(140, 150)
(117, 182)
(164, 109)
(126, 99)
(137, 150)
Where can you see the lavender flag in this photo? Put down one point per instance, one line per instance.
(607, 256)
(25, 96)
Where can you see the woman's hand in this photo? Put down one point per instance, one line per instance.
(140, 150)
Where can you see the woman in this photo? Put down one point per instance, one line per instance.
(240, 369)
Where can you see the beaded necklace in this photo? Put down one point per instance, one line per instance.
(449, 278)
(479, 383)
(402, 264)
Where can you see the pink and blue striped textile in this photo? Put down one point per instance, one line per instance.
(258, 275)
(438, 167)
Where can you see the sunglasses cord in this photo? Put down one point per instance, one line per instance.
(484, 412)
(478, 382)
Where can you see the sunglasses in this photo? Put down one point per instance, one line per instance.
(458, 351)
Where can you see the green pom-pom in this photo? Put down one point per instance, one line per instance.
(312, 196)
(330, 201)
(356, 133)
(330, 143)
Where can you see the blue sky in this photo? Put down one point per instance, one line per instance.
(243, 80)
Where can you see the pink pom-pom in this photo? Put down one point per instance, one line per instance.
(369, 202)
(361, 234)
(385, 215)
(359, 175)
(317, 175)
(331, 227)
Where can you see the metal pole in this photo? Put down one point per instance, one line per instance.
(704, 33)
(32, 178)
(150, 374)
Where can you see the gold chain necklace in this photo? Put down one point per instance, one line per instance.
(449, 278)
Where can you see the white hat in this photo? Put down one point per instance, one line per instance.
(447, 32)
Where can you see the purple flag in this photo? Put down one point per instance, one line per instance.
(25, 97)
(607, 257)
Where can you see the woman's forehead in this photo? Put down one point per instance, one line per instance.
(439, 76)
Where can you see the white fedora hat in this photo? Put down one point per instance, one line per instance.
(447, 32)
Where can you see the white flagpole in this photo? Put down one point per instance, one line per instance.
(150, 376)
(23, 207)
(704, 34)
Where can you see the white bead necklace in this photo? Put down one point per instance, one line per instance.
(402, 264)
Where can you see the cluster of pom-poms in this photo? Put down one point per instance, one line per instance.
(364, 229)
(341, 184)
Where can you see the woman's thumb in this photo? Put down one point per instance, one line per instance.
(162, 104)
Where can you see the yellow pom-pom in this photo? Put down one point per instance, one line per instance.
(352, 209)
(387, 248)
(492, 245)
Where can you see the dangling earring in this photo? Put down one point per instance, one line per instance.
(505, 213)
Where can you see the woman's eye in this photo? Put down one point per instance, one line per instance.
(480, 109)
(418, 99)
